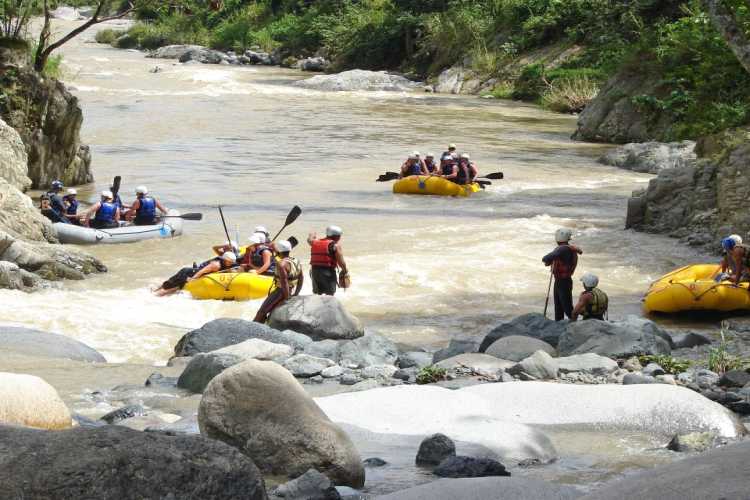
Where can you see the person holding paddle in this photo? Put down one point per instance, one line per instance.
(287, 281)
(413, 166)
(563, 261)
(326, 255)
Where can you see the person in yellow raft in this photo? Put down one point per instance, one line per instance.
(731, 265)
(287, 281)
(593, 302)
(226, 261)
(413, 166)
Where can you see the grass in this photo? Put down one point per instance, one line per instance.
(569, 95)
(430, 375)
(108, 35)
(720, 360)
(668, 363)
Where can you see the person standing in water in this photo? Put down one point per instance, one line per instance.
(593, 302)
(287, 281)
(326, 255)
(563, 260)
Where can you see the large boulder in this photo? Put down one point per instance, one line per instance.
(651, 157)
(540, 366)
(329, 349)
(528, 325)
(35, 343)
(224, 332)
(516, 348)
(31, 402)
(486, 488)
(173, 51)
(460, 466)
(410, 410)
(476, 362)
(13, 159)
(114, 462)
(358, 79)
(258, 407)
(587, 363)
(414, 359)
(317, 316)
(451, 80)
(434, 449)
(618, 339)
(312, 64)
(720, 473)
(257, 349)
(304, 365)
(669, 409)
(454, 348)
(367, 351)
(202, 369)
(312, 485)
(203, 56)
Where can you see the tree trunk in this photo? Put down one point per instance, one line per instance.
(725, 22)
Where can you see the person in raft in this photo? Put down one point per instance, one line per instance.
(326, 255)
(258, 257)
(593, 302)
(563, 260)
(740, 255)
(231, 246)
(71, 207)
(226, 261)
(448, 168)
(430, 164)
(143, 210)
(287, 281)
(728, 265)
(413, 166)
(45, 206)
(467, 170)
(105, 212)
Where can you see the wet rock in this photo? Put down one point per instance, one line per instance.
(29, 401)
(637, 378)
(262, 58)
(203, 56)
(533, 325)
(651, 157)
(156, 379)
(741, 407)
(719, 473)
(318, 316)
(358, 79)
(451, 80)
(653, 369)
(406, 374)
(693, 442)
(540, 365)
(414, 359)
(312, 64)
(203, 368)
(706, 379)
(332, 372)
(587, 363)
(455, 347)
(173, 51)
(475, 362)
(379, 371)
(35, 343)
(618, 339)
(374, 462)
(486, 488)
(632, 364)
(350, 379)
(460, 466)
(312, 485)
(434, 449)
(517, 348)
(224, 332)
(328, 349)
(260, 408)
(303, 365)
(115, 462)
(689, 340)
(123, 413)
(257, 349)
(368, 350)
(735, 378)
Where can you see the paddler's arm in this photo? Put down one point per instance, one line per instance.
(267, 259)
(208, 269)
(738, 256)
(96, 206)
(583, 301)
(340, 262)
(300, 282)
(131, 211)
(284, 280)
(311, 237)
(161, 207)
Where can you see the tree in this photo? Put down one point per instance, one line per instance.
(724, 18)
(14, 17)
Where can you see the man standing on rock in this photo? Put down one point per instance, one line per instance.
(287, 281)
(593, 303)
(326, 255)
(563, 260)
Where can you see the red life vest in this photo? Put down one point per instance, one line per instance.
(322, 253)
(562, 269)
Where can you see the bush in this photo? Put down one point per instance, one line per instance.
(430, 375)
(235, 31)
(569, 95)
(107, 36)
(670, 364)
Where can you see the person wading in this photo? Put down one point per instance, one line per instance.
(223, 263)
(326, 255)
(593, 302)
(287, 281)
(563, 260)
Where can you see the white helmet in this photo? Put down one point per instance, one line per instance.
(229, 256)
(413, 157)
(257, 238)
(430, 155)
(590, 280)
(563, 235)
(737, 239)
(465, 156)
(451, 146)
(334, 231)
(416, 153)
(260, 229)
(72, 192)
(108, 195)
(141, 190)
(283, 246)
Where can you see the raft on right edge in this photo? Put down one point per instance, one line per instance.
(693, 288)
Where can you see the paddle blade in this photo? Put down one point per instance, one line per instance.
(190, 216)
(293, 214)
(293, 241)
(116, 185)
(495, 175)
(484, 183)
(388, 176)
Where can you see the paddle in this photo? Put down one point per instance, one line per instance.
(549, 288)
(293, 241)
(483, 183)
(116, 186)
(224, 223)
(190, 216)
(494, 175)
(388, 176)
(293, 214)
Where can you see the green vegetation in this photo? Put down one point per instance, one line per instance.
(430, 375)
(668, 363)
(720, 359)
(108, 35)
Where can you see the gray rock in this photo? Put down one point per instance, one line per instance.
(414, 359)
(460, 466)
(365, 385)
(720, 473)
(358, 79)
(533, 325)
(587, 363)
(434, 449)
(690, 339)
(406, 374)
(455, 347)
(379, 371)
(203, 368)
(374, 462)
(517, 348)
(173, 51)
(475, 362)
(637, 378)
(735, 378)
(40, 344)
(254, 57)
(451, 80)
(332, 372)
(368, 350)
(619, 339)
(540, 365)
(114, 462)
(123, 413)
(156, 379)
(328, 349)
(318, 316)
(697, 442)
(651, 157)
(258, 349)
(304, 365)
(706, 378)
(312, 64)
(486, 488)
(350, 379)
(312, 485)
(203, 56)
(225, 332)
(653, 369)
(259, 407)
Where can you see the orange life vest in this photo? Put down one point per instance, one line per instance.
(322, 253)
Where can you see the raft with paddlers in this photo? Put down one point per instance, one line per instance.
(694, 288)
(169, 226)
(435, 185)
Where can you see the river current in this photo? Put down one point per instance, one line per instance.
(424, 269)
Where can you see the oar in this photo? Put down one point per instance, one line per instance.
(116, 186)
(494, 175)
(224, 223)
(293, 241)
(549, 288)
(190, 216)
(483, 183)
(388, 176)
(293, 214)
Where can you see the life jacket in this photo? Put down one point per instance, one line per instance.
(431, 166)
(146, 209)
(598, 305)
(563, 269)
(106, 213)
(447, 169)
(322, 253)
(256, 258)
(72, 208)
(463, 174)
(292, 277)
(56, 202)
(414, 169)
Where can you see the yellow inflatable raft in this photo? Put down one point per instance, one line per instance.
(230, 286)
(693, 288)
(420, 184)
